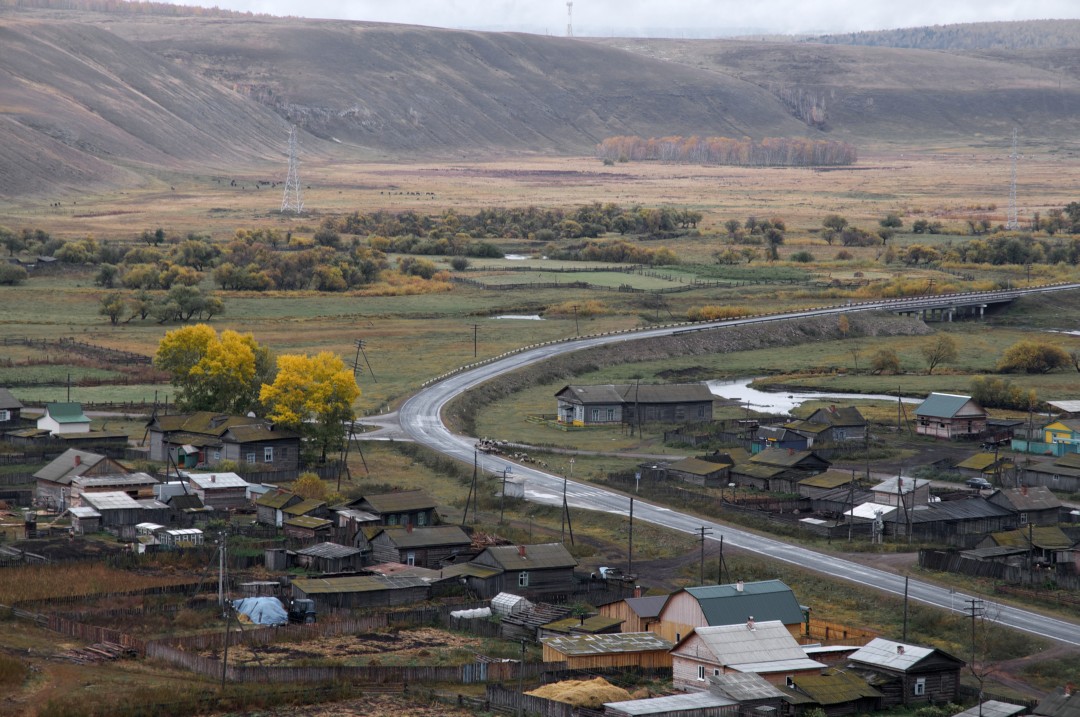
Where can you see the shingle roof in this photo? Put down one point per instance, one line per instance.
(944, 405)
(536, 557)
(426, 537)
(399, 502)
(1027, 498)
(66, 412)
(765, 600)
(834, 687)
(617, 642)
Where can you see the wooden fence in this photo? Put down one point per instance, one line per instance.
(833, 633)
(20, 478)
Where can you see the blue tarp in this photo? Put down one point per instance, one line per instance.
(262, 610)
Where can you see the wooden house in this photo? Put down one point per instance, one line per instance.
(949, 416)
(406, 507)
(763, 648)
(116, 509)
(1060, 474)
(634, 403)
(220, 491)
(53, 482)
(1043, 542)
(902, 492)
(778, 470)
(907, 674)
(842, 425)
(308, 506)
(84, 520)
(753, 693)
(423, 547)
(601, 651)
(817, 486)
(985, 465)
(1036, 504)
(712, 605)
(480, 581)
(1062, 435)
(63, 419)
(1061, 703)
(699, 471)
(10, 411)
(206, 438)
(308, 529)
(638, 614)
(543, 571)
(330, 558)
(960, 523)
(268, 508)
(365, 591)
(691, 704)
(580, 625)
(835, 691)
(766, 437)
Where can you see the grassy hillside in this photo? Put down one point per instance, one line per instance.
(1020, 35)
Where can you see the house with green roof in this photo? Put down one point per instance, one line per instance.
(949, 416)
(205, 439)
(712, 605)
(63, 418)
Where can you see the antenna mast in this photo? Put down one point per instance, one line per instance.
(1013, 223)
(570, 18)
(292, 201)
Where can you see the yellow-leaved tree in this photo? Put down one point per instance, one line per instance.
(313, 395)
(214, 373)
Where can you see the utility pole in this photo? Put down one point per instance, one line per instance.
(502, 498)
(360, 344)
(705, 532)
(630, 542)
(292, 201)
(905, 606)
(577, 329)
(521, 680)
(475, 328)
(1013, 222)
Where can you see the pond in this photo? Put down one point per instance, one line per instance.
(784, 401)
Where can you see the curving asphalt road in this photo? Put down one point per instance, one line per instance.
(420, 419)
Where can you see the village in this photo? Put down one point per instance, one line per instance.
(313, 570)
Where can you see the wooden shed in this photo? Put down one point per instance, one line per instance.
(906, 674)
(693, 704)
(329, 558)
(425, 547)
(360, 592)
(638, 614)
(621, 649)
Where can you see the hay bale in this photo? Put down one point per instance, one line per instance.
(582, 693)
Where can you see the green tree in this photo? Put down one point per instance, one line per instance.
(12, 241)
(313, 395)
(10, 274)
(214, 373)
(310, 487)
(112, 306)
(833, 224)
(891, 221)
(941, 349)
(1033, 357)
(107, 275)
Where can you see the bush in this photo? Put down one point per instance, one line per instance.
(459, 263)
(12, 275)
(803, 257)
(713, 313)
(1033, 357)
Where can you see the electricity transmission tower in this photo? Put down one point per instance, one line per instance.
(292, 201)
(1013, 222)
(570, 19)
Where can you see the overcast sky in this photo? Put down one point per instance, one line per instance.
(664, 18)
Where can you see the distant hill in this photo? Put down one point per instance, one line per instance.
(98, 100)
(1019, 35)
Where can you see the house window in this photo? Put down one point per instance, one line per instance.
(421, 518)
(391, 520)
(523, 579)
(716, 672)
(701, 412)
(920, 686)
(611, 414)
(410, 558)
(677, 637)
(268, 454)
(217, 455)
(251, 457)
(701, 672)
(1023, 519)
(5, 415)
(596, 415)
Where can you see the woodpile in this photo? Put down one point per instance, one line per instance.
(98, 652)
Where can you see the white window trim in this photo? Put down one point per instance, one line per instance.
(268, 454)
(523, 579)
(251, 457)
(920, 686)
(701, 672)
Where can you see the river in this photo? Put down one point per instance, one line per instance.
(783, 401)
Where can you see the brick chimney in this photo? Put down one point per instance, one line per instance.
(408, 527)
(521, 552)
(213, 478)
(1023, 490)
(78, 460)
(750, 623)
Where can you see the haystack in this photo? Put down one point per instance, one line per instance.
(582, 693)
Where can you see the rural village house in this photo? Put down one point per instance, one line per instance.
(836, 691)
(831, 425)
(766, 437)
(329, 558)
(1060, 474)
(634, 403)
(822, 484)
(53, 482)
(308, 529)
(362, 591)
(406, 507)
(1062, 703)
(638, 614)
(906, 674)
(423, 547)
(136, 485)
(63, 418)
(701, 472)
(764, 648)
(711, 605)
(945, 415)
(599, 651)
(985, 465)
(269, 507)
(544, 571)
(206, 438)
(1035, 504)
(10, 411)
(778, 470)
(220, 491)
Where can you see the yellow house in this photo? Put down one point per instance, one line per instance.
(1065, 431)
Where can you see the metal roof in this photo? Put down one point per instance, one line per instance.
(766, 643)
(744, 686)
(1066, 406)
(968, 509)
(669, 703)
(880, 652)
(329, 550)
(360, 516)
(946, 405)
(994, 708)
(1059, 704)
(401, 569)
(767, 666)
(111, 500)
(765, 600)
(616, 642)
(356, 584)
(868, 511)
(900, 484)
(66, 412)
(649, 606)
(217, 481)
(128, 479)
(84, 511)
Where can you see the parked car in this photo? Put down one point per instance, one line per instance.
(978, 483)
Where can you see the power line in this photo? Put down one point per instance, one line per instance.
(292, 201)
(1013, 222)
(570, 19)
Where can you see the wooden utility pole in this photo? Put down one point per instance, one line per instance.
(704, 533)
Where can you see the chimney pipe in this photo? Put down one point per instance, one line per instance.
(1023, 490)
(899, 649)
(521, 551)
(78, 460)
(1069, 689)
(750, 623)
(213, 478)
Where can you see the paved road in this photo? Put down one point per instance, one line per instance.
(420, 420)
